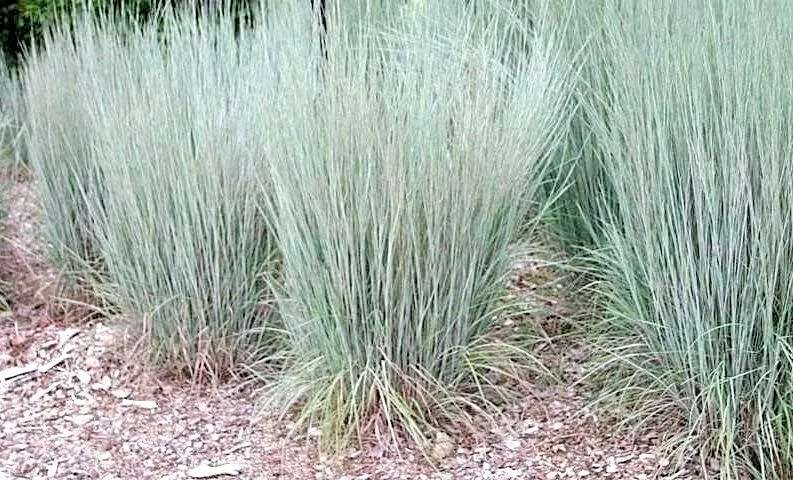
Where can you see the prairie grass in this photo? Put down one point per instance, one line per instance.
(61, 80)
(148, 141)
(693, 122)
(12, 153)
(403, 166)
(12, 118)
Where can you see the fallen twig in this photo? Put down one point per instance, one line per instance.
(52, 363)
(206, 471)
(12, 372)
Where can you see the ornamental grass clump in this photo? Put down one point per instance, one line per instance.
(61, 80)
(12, 117)
(404, 163)
(698, 260)
(169, 124)
(185, 242)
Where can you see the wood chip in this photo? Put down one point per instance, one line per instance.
(443, 446)
(120, 393)
(79, 419)
(83, 376)
(48, 344)
(512, 443)
(53, 469)
(44, 391)
(206, 471)
(66, 335)
(5, 358)
(92, 363)
(248, 444)
(147, 404)
(52, 363)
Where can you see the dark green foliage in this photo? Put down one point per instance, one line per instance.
(23, 21)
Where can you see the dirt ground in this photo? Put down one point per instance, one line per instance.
(73, 405)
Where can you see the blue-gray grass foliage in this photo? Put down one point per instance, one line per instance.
(60, 82)
(147, 140)
(394, 168)
(690, 108)
(403, 166)
(12, 117)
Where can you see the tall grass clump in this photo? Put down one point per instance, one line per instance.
(175, 120)
(403, 165)
(11, 149)
(697, 140)
(12, 118)
(61, 79)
